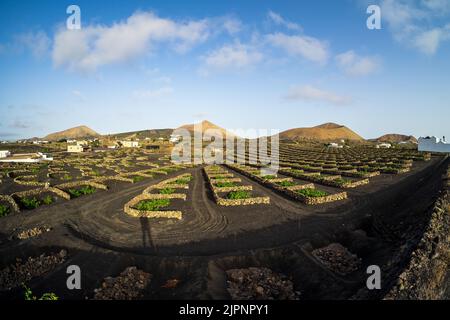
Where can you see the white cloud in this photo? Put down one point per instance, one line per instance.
(415, 24)
(279, 20)
(79, 95)
(94, 46)
(355, 65)
(307, 47)
(235, 55)
(310, 93)
(232, 25)
(37, 43)
(437, 5)
(152, 94)
(428, 41)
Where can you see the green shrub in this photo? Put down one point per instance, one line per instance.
(241, 194)
(4, 210)
(314, 193)
(286, 183)
(75, 193)
(167, 191)
(138, 178)
(185, 180)
(220, 177)
(153, 204)
(269, 177)
(28, 295)
(341, 181)
(32, 203)
(224, 184)
(47, 200)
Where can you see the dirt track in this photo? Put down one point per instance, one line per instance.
(103, 241)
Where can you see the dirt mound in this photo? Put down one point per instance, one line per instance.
(260, 283)
(396, 138)
(326, 131)
(206, 125)
(127, 286)
(18, 273)
(72, 133)
(337, 258)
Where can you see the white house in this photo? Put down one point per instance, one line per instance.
(26, 158)
(4, 153)
(433, 144)
(334, 145)
(175, 138)
(130, 144)
(76, 148)
(384, 145)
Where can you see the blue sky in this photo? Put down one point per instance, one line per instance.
(138, 65)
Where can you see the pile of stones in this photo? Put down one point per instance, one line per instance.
(128, 285)
(22, 272)
(260, 283)
(337, 258)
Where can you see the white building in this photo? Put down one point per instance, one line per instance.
(130, 144)
(175, 138)
(384, 145)
(76, 148)
(433, 144)
(26, 158)
(4, 153)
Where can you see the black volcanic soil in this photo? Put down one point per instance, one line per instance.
(101, 239)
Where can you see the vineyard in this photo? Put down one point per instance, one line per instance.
(313, 225)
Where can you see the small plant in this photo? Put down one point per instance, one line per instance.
(184, 180)
(30, 203)
(224, 184)
(236, 195)
(4, 210)
(220, 177)
(67, 177)
(28, 295)
(47, 200)
(269, 177)
(286, 183)
(137, 179)
(167, 191)
(75, 193)
(341, 181)
(314, 193)
(152, 205)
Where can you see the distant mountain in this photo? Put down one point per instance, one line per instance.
(205, 125)
(395, 138)
(72, 133)
(327, 132)
(142, 134)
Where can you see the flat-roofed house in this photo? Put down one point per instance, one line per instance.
(129, 144)
(76, 148)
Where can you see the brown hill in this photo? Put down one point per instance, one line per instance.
(72, 133)
(326, 131)
(207, 125)
(396, 138)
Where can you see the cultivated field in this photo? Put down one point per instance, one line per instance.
(166, 231)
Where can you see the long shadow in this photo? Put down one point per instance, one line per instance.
(146, 233)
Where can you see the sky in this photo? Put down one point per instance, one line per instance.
(253, 64)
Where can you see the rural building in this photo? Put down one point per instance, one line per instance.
(130, 144)
(384, 145)
(26, 157)
(4, 153)
(175, 138)
(76, 148)
(433, 144)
